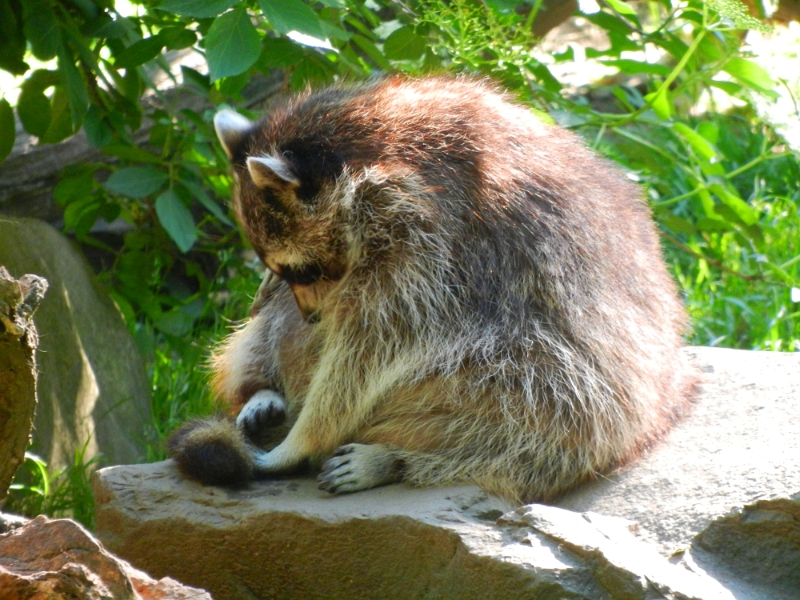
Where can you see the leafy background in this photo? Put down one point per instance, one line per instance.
(676, 106)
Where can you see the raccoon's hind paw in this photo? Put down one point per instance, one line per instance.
(212, 451)
(265, 409)
(357, 467)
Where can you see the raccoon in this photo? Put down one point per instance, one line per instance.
(456, 291)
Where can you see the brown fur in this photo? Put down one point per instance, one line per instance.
(468, 294)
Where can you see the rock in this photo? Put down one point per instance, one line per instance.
(738, 448)
(739, 445)
(18, 341)
(287, 539)
(9, 522)
(58, 559)
(92, 382)
(765, 533)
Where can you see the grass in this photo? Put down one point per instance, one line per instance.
(744, 307)
(65, 493)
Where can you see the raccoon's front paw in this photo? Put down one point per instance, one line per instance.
(357, 467)
(265, 409)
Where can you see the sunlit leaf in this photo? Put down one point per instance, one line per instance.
(404, 44)
(292, 15)
(232, 44)
(751, 75)
(202, 9)
(698, 143)
(634, 67)
(729, 198)
(621, 7)
(660, 103)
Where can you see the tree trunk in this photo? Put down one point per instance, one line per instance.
(18, 340)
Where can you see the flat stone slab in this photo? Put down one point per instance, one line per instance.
(727, 472)
(287, 539)
(740, 444)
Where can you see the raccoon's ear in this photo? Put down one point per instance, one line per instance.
(271, 171)
(230, 127)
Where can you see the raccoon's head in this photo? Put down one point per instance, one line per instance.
(288, 199)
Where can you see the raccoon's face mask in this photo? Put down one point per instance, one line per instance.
(296, 235)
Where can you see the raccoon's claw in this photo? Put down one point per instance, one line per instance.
(265, 409)
(268, 285)
(355, 467)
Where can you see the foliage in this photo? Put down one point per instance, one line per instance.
(723, 186)
(66, 493)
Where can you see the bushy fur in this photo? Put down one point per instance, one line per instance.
(463, 293)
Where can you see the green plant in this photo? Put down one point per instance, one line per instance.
(66, 493)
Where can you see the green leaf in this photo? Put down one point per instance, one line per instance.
(176, 219)
(608, 22)
(279, 53)
(41, 28)
(404, 44)
(196, 79)
(7, 129)
(177, 38)
(200, 195)
(621, 7)
(201, 9)
(712, 225)
(502, 6)
(140, 52)
(751, 75)
(311, 68)
(33, 109)
(75, 188)
(81, 216)
(709, 131)
(61, 124)
(97, 132)
(372, 51)
(174, 322)
(743, 211)
(232, 44)
(677, 224)
(292, 15)
(105, 27)
(13, 47)
(698, 143)
(729, 87)
(74, 85)
(545, 77)
(660, 103)
(136, 182)
(634, 67)
(132, 153)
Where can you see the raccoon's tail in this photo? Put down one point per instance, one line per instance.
(212, 451)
